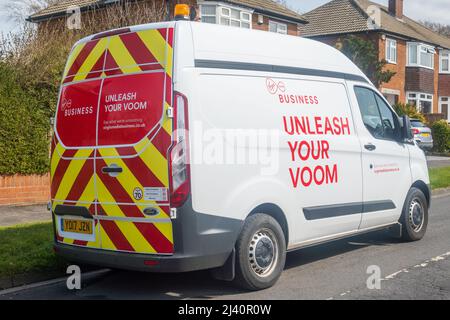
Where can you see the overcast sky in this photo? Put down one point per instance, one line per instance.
(433, 10)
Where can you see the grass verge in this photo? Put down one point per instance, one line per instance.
(27, 249)
(440, 177)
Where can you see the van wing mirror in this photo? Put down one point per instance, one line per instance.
(406, 133)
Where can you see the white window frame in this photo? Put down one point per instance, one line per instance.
(420, 47)
(444, 55)
(245, 16)
(417, 97)
(441, 103)
(208, 15)
(278, 25)
(391, 51)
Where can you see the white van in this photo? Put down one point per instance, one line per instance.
(183, 146)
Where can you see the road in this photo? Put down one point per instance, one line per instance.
(338, 270)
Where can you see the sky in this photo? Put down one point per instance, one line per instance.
(433, 10)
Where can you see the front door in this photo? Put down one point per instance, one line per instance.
(385, 161)
(444, 103)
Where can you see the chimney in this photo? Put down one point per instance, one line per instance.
(396, 8)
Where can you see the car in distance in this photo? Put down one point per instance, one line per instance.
(422, 134)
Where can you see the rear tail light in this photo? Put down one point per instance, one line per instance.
(179, 154)
(415, 131)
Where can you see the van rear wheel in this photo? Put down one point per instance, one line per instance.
(260, 253)
(414, 219)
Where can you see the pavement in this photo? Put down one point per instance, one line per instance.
(337, 270)
(14, 215)
(438, 162)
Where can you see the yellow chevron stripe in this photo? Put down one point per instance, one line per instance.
(129, 230)
(91, 60)
(169, 65)
(73, 56)
(71, 174)
(167, 122)
(126, 178)
(156, 162)
(122, 56)
(88, 194)
(166, 230)
(56, 157)
(156, 44)
(106, 241)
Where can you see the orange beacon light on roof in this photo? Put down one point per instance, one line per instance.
(182, 12)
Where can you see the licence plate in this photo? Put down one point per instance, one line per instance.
(77, 226)
(425, 135)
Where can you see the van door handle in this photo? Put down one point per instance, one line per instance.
(112, 170)
(370, 147)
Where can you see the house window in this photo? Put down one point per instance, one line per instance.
(422, 101)
(444, 107)
(420, 55)
(278, 27)
(225, 15)
(209, 13)
(391, 51)
(444, 62)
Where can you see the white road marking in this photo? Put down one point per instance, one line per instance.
(51, 282)
(393, 275)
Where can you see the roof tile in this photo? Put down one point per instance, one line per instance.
(350, 16)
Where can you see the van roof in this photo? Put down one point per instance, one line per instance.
(214, 42)
(223, 43)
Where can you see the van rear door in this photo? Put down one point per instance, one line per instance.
(130, 134)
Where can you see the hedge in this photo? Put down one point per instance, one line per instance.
(24, 128)
(441, 136)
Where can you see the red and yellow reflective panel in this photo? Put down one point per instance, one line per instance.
(112, 72)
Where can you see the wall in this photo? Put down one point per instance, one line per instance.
(444, 85)
(397, 82)
(18, 189)
(420, 80)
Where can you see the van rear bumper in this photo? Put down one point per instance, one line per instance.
(139, 262)
(201, 241)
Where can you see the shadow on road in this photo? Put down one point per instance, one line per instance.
(200, 285)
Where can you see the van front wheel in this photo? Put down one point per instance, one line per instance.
(260, 253)
(414, 219)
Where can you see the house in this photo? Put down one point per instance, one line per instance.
(265, 15)
(419, 56)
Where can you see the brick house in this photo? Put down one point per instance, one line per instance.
(419, 56)
(264, 15)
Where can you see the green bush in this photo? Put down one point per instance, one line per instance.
(24, 127)
(441, 136)
(407, 109)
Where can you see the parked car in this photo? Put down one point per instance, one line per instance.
(422, 134)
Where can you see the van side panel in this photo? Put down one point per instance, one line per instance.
(307, 153)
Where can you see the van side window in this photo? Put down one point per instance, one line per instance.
(377, 116)
(369, 111)
(387, 117)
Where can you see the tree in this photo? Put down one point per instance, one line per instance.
(442, 29)
(18, 10)
(364, 54)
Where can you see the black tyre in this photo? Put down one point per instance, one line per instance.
(414, 219)
(260, 253)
